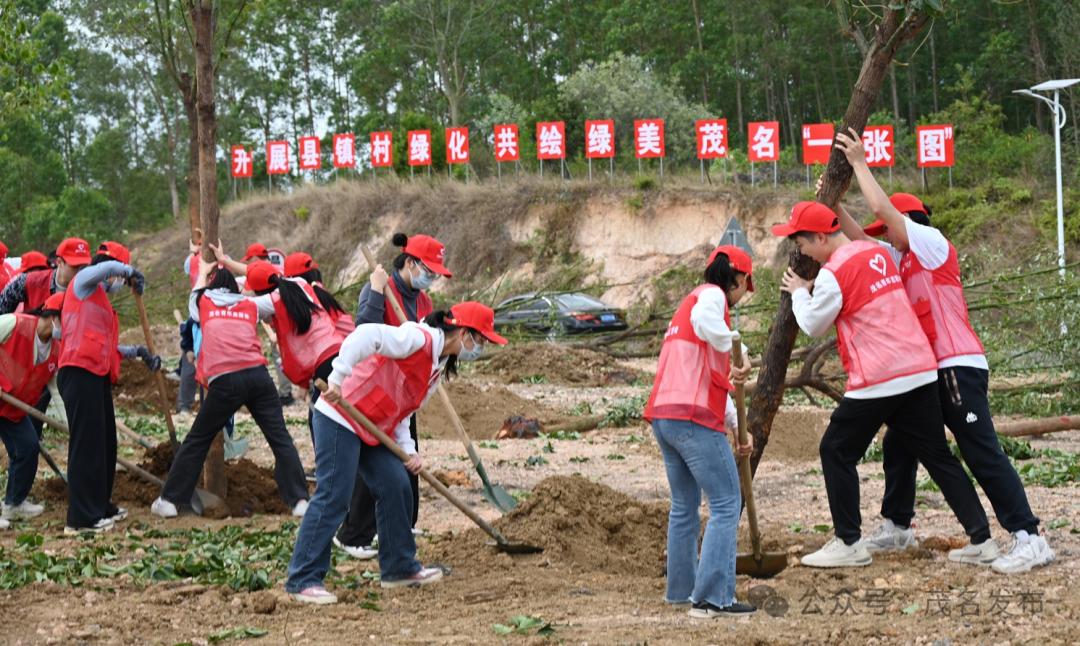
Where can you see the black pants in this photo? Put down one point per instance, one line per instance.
(185, 394)
(227, 393)
(43, 406)
(91, 445)
(359, 528)
(964, 405)
(916, 418)
(21, 442)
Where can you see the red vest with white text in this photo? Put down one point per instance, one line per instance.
(692, 377)
(19, 376)
(938, 299)
(301, 354)
(38, 288)
(424, 305)
(230, 339)
(877, 332)
(91, 334)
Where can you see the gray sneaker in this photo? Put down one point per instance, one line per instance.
(890, 537)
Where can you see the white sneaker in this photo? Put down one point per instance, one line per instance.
(21, 511)
(103, 525)
(425, 576)
(163, 508)
(362, 553)
(836, 553)
(316, 594)
(1027, 552)
(4, 524)
(890, 537)
(300, 508)
(417, 532)
(121, 514)
(982, 554)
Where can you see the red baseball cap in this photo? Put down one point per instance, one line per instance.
(258, 275)
(738, 259)
(74, 251)
(116, 251)
(903, 202)
(812, 217)
(476, 316)
(430, 252)
(256, 250)
(33, 260)
(54, 302)
(298, 263)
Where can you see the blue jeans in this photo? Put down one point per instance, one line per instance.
(21, 441)
(339, 454)
(699, 459)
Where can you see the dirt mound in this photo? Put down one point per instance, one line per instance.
(796, 433)
(580, 522)
(482, 410)
(556, 364)
(138, 391)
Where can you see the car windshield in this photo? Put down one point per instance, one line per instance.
(579, 302)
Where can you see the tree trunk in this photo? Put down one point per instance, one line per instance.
(1037, 57)
(895, 93)
(933, 71)
(1038, 426)
(187, 96)
(891, 33)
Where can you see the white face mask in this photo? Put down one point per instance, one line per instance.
(473, 353)
(55, 332)
(425, 278)
(115, 285)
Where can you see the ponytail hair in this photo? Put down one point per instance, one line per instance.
(437, 319)
(326, 299)
(400, 240)
(221, 278)
(298, 306)
(721, 273)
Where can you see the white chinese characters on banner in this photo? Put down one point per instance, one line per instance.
(649, 138)
(277, 157)
(764, 141)
(712, 138)
(310, 153)
(599, 139)
(457, 145)
(550, 140)
(878, 144)
(381, 149)
(506, 142)
(241, 162)
(344, 150)
(935, 145)
(419, 147)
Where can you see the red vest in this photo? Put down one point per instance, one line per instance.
(423, 305)
(91, 334)
(193, 269)
(6, 274)
(301, 354)
(692, 377)
(343, 322)
(938, 299)
(387, 391)
(230, 339)
(19, 377)
(38, 288)
(877, 332)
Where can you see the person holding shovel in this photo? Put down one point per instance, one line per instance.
(930, 271)
(28, 361)
(416, 269)
(891, 370)
(387, 373)
(232, 368)
(690, 412)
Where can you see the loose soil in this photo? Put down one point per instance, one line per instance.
(556, 363)
(482, 409)
(137, 389)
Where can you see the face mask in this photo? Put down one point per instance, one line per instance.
(424, 280)
(56, 332)
(115, 285)
(473, 353)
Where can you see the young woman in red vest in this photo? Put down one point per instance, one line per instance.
(930, 269)
(31, 289)
(891, 370)
(301, 265)
(416, 269)
(232, 368)
(89, 366)
(690, 412)
(28, 360)
(387, 372)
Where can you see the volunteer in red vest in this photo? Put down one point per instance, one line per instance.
(930, 269)
(891, 376)
(387, 373)
(31, 289)
(185, 372)
(32, 261)
(416, 269)
(301, 265)
(89, 366)
(691, 413)
(232, 368)
(28, 360)
(7, 272)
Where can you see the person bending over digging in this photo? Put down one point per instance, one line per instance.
(387, 373)
(891, 375)
(689, 409)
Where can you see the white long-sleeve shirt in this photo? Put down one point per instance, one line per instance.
(707, 319)
(393, 342)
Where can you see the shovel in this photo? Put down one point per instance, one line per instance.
(199, 501)
(758, 564)
(162, 390)
(494, 494)
(501, 542)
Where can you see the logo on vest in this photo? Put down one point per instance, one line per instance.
(231, 314)
(877, 263)
(671, 331)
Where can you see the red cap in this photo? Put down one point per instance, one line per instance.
(258, 275)
(739, 261)
(256, 250)
(430, 252)
(55, 302)
(33, 260)
(812, 217)
(475, 316)
(74, 251)
(903, 202)
(116, 251)
(299, 263)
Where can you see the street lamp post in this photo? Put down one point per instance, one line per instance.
(1059, 122)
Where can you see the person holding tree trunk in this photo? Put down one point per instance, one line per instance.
(930, 271)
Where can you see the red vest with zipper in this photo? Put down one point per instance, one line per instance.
(424, 305)
(301, 354)
(877, 332)
(387, 391)
(938, 298)
(19, 376)
(230, 339)
(692, 377)
(38, 288)
(91, 334)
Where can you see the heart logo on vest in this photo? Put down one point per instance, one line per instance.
(877, 263)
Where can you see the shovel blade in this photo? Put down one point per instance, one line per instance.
(202, 500)
(500, 498)
(768, 566)
(516, 548)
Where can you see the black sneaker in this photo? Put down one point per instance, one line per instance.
(287, 400)
(706, 610)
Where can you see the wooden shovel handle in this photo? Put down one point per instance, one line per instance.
(744, 463)
(162, 389)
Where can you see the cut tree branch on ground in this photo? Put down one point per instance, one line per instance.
(1020, 428)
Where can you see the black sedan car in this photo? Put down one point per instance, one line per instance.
(557, 314)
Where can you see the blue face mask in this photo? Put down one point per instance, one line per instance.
(473, 353)
(424, 280)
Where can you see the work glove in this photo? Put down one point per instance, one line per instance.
(137, 281)
(152, 361)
